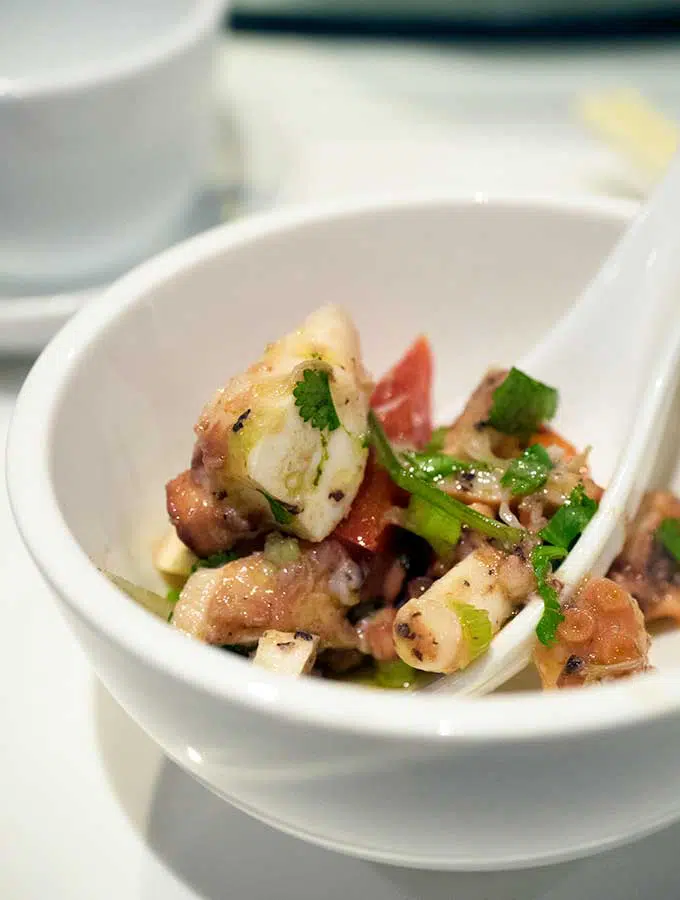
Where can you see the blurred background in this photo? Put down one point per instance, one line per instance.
(461, 17)
(309, 101)
(537, 95)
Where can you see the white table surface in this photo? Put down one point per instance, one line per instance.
(89, 808)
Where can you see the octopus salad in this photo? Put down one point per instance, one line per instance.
(324, 527)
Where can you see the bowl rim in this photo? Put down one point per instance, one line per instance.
(335, 706)
(188, 28)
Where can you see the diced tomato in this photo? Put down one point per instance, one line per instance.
(368, 518)
(549, 438)
(402, 399)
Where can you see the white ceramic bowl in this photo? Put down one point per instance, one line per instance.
(105, 117)
(106, 417)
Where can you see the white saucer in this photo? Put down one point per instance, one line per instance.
(28, 322)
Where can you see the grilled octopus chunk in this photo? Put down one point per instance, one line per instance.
(204, 521)
(239, 602)
(261, 446)
(430, 630)
(603, 636)
(470, 433)
(644, 568)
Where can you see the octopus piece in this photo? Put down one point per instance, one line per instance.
(239, 602)
(644, 568)
(516, 575)
(256, 441)
(205, 522)
(562, 481)
(477, 487)
(602, 637)
(376, 637)
(470, 436)
(384, 576)
(445, 628)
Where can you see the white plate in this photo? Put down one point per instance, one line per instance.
(27, 323)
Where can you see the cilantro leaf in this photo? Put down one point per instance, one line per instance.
(528, 472)
(562, 531)
(668, 534)
(521, 404)
(433, 466)
(314, 400)
(283, 512)
(541, 562)
(570, 520)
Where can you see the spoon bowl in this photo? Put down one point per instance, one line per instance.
(616, 359)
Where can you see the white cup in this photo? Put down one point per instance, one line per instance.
(105, 130)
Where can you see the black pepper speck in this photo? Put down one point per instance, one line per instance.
(573, 664)
(405, 632)
(239, 423)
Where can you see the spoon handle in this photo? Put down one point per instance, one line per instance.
(631, 297)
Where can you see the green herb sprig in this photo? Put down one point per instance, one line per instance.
(449, 506)
(434, 466)
(283, 512)
(215, 560)
(570, 520)
(314, 400)
(528, 472)
(560, 535)
(521, 404)
(668, 534)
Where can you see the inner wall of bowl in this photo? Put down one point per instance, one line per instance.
(482, 282)
(59, 37)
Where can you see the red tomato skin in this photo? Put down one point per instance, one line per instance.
(402, 399)
(367, 523)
